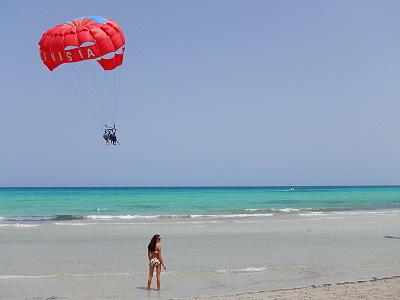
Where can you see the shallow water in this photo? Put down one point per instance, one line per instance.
(206, 257)
(102, 204)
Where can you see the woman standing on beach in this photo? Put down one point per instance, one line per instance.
(155, 259)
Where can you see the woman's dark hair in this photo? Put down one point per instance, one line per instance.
(153, 242)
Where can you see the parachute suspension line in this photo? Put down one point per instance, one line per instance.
(115, 78)
(97, 85)
(95, 90)
(79, 76)
(113, 95)
(109, 77)
(103, 89)
(117, 91)
(109, 84)
(84, 96)
(77, 91)
(89, 91)
(104, 83)
(78, 86)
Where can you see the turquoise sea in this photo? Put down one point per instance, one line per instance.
(40, 204)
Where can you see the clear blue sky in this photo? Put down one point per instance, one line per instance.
(213, 93)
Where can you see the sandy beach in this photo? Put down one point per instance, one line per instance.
(267, 257)
(376, 288)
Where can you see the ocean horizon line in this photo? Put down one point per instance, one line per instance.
(202, 186)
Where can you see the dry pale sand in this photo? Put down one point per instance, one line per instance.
(382, 289)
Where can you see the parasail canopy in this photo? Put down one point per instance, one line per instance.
(84, 38)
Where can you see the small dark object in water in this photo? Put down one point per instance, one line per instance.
(392, 237)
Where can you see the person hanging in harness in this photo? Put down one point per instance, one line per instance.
(113, 138)
(110, 136)
(106, 136)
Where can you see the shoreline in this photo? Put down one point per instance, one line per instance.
(357, 289)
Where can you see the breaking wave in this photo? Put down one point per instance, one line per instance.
(247, 213)
(243, 270)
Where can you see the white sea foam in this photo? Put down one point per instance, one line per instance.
(197, 222)
(231, 216)
(26, 276)
(288, 210)
(152, 217)
(361, 212)
(243, 270)
(282, 210)
(102, 209)
(332, 214)
(18, 225)
(121, 217)
(98, 275)
(175, 216)
(101, 217)
(313, 214)
(249, 221)
(63, 275)
(26, 225)
(115, 223)
(71, 224)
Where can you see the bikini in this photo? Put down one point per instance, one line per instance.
(154, 261)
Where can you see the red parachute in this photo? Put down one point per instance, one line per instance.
(85, 38)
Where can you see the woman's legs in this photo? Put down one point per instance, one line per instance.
(158, 269)
(151, 271)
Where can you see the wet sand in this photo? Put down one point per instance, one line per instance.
(204, 257)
